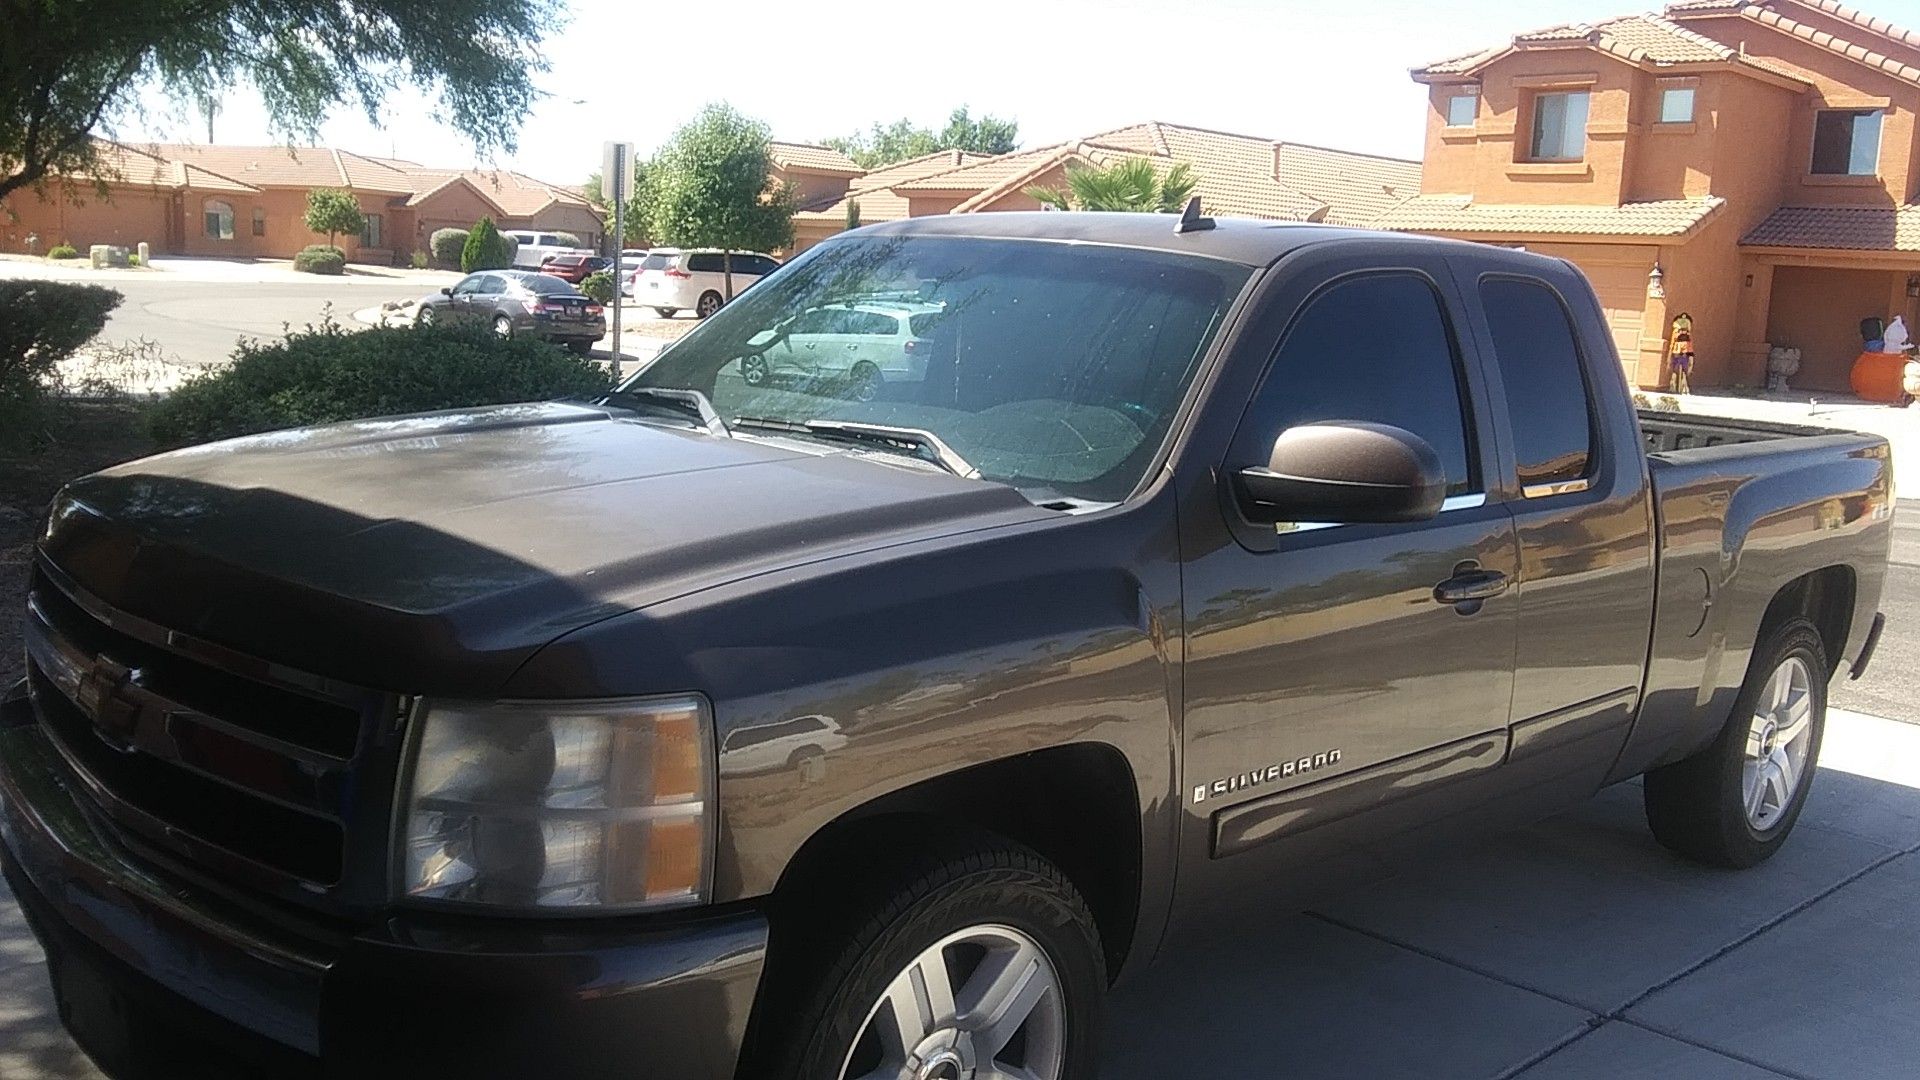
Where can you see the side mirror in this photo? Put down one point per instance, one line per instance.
(446, 290)
(1345, 472)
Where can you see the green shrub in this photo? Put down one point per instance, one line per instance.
(327, 373)
(46, 322)
(487, 249)
(418, 260)
(598, 287)
(567, 239)
(446, 246)
(320, 259)
(63, 251)
(133, 260)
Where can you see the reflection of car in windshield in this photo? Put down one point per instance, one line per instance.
(1055, 368)
(868, 344)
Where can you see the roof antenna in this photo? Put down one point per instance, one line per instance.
(1190, 219)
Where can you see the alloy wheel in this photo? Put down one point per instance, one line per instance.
(982, 1003)
(1778, 742)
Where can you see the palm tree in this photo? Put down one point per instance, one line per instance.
(1130, 184)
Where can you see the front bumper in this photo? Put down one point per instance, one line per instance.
(154, 975)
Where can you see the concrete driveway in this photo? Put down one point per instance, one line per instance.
(1577, 948)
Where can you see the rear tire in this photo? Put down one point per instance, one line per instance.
(1734, 803)
(864, 382)
(708, 303)
(666, 312)
(503, 327)
(580, 346)
(1000, 928)
(753, 371)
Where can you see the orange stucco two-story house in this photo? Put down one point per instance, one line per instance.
(1752, 165)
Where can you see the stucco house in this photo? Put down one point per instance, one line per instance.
(250, 201)
(1238, 174)
(1753, 165)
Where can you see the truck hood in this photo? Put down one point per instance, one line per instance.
(435, 553)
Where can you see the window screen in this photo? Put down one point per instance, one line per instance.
(1374, 348)
(1546, 387)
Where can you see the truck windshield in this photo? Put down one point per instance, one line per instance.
(1052, 367)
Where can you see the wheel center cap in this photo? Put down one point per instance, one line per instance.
(1767, 736)
(946, 1064)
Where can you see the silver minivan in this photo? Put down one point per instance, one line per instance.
(866, 344)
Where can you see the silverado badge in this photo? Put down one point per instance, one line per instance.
(1230, 784)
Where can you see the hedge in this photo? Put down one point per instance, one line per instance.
(598, 287)
(446, 245)
(45, 322)
(327, 373)
(320, 259)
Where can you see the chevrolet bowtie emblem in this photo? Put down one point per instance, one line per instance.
(101, 695)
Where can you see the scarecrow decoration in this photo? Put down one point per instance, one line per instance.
(1680, 354)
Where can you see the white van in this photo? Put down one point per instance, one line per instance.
(537, 247)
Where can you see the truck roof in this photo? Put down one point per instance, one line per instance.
(1247, 241)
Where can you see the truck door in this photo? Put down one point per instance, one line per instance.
(1571, 456)
(1326, 679)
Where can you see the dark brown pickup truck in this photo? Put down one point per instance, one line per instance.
(971, 609)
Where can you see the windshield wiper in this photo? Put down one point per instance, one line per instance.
(919, 442)
(691, 403)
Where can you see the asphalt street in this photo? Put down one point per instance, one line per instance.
(1891, 686)
(198, 322)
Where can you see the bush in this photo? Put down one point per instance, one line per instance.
(598, 287)
(320, 259)
(46, 323)
(446, 245)
(327, 373)
(567, 239)
(487, 249)
(63, 251)
(418, 260)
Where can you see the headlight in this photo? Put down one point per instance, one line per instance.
(559, 805)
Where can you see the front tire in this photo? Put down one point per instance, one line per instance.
(753, 371)
(980, 961)
(424, 317)
(1734, 803)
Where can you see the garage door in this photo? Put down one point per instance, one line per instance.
(1623, 296)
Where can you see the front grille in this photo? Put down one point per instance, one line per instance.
(241, 770)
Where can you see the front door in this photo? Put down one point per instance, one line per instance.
(1327, 683)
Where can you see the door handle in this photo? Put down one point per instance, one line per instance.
(1470, 587)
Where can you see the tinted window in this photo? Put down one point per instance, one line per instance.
(548, 285)
(923, 323)
(872, 323)
(549, 240)
(1056, 368)
(656, 261)
(763, 265)
(1374, 348)
(490, 283)
(705, 263)
(1545, 384)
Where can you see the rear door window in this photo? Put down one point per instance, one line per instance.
(1374, 348)
(656, 261)
(1548, 402)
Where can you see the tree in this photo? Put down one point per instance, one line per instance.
(486, 249)
(1130, 184)
(885, 144)
(712, 185)
(634, 222)
(70, 70)
(332, 211)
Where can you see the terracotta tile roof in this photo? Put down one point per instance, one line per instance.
(980, 175)
(1837, 45)
(876, 205)
(812, 158)
(1844, 228)
(1880, 27)
(1649, 41)
(514, 194)
(141, 167)
(1358, 187)
(290, 166)
(916, 168)
(1459, 214)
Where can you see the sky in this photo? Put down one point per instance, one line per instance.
(1333, 74)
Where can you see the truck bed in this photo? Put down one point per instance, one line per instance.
(1666, 431)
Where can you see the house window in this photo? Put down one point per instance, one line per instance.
(1560, 126)
(1676, 105)
(218, 218)
(259, 222)
(1846, 142)
(370, 232)
(1461, 108)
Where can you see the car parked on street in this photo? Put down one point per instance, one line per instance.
(671, 280)
(574, 269)
(867, 344)
(630, 260)
(720, 729)
(516, 302)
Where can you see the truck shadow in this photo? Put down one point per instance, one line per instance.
(1480, 959)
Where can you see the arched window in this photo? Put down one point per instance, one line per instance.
(218, 216)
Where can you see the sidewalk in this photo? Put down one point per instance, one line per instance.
(1577, 949)
(221, 271)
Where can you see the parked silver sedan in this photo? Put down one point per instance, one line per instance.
(515, 302)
